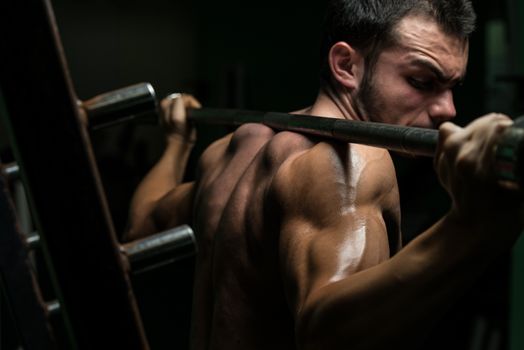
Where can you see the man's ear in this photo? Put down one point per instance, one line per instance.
(346, 64)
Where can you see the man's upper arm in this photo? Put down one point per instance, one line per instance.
(173, 209)
(332, 222)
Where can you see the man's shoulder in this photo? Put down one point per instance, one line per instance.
(336, 170)
(329, 158)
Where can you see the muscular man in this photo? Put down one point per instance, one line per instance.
(298, 237)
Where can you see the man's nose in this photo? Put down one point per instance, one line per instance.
(442, 109)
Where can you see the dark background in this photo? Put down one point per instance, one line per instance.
(264, 56)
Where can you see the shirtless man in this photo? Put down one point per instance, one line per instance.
(298, 237)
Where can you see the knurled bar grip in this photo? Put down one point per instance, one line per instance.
(137, 101)
(411, 140)
(508, 162)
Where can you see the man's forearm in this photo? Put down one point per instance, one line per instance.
(373, 309)
(164, 177)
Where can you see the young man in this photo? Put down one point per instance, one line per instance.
(298, 237)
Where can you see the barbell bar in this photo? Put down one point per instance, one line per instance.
(410, 140)
(508, 162)
(139, 101)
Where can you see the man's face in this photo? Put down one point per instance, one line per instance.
(411, 83)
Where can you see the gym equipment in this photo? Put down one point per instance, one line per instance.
(133, 103)
(60, 175)
(160, 249)
(509, 162)
(17, 280)
(11, 171)
(410, 140)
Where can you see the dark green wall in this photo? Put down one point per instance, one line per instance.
(517, 304)
(517, 308)
(269, 48)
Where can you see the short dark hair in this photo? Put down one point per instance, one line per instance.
(368, 25)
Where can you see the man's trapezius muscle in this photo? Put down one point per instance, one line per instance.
(240, 299)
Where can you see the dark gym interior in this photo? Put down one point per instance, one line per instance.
(264, 56)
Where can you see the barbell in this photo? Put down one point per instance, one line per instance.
(139, 102)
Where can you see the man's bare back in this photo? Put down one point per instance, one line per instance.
(299, 238)
(245, 252)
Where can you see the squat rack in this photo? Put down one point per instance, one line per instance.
(57, 166)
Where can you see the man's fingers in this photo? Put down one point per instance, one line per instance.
(468, 154)
(167, 101)
(444, 147)
(191, 102)
(448, 139)
(185, 100)
(178, 108)
(448, 128)
(174, 115)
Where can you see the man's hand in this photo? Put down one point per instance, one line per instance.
(161, 198)
(465, 165)
(174, 118)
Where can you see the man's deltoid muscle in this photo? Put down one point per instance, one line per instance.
(298, 237)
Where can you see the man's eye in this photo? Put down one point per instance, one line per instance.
(420, 84)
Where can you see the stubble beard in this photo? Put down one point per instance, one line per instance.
(367, 100)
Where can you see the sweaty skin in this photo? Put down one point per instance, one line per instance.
(249, 248)
(298, 237)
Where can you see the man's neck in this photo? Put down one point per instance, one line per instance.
(333, 103)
